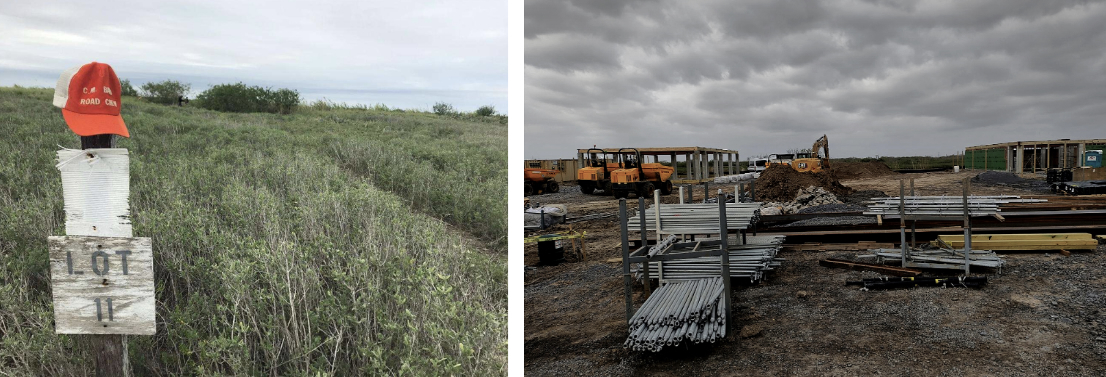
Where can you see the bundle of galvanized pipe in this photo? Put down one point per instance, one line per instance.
(750, 260)
(944, 258)
(696, 218)
(676, 312)
(942, 205)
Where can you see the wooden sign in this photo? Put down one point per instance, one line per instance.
(96, 186)
(102, 285)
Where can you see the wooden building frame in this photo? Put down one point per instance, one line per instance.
(703, 164)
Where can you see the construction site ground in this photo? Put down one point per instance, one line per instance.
(1045, 314)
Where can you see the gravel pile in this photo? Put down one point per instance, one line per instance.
(836, 220)
(808, 197)
(999, 178)
(833, 208)
(860, 197)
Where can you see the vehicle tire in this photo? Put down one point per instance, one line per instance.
(552, 187)
(646, 190)
(619, 194)
(587, 188)
(529, 190)
(666, 187)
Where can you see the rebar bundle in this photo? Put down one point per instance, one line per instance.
(682, 311)
(697, 218)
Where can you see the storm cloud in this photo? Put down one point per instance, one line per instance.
(403, 54)
(890, 78)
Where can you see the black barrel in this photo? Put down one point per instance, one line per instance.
(551, 251)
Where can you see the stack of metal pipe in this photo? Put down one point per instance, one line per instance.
(750, 261)
(697, 218)
(943, 205)
(944, 258)
(676, 312)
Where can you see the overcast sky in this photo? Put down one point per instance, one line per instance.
(887, 78)
(407, 54)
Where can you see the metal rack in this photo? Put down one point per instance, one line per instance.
(657, 253)
(938, 208)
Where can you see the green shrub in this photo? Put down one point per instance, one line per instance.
(128, 90)
(166, 92)
(240, 98)
(442, 108)
(485, 111)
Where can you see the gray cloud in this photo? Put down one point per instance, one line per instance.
(880, 77)
(406, 54)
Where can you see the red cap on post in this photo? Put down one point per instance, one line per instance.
(90, 98)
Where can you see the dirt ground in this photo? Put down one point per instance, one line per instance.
(1045, 314)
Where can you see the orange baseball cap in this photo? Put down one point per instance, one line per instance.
(90, 98)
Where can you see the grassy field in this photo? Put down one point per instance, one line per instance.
(910, 162)
(329, 242)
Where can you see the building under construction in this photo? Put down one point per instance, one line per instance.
(1035, 156)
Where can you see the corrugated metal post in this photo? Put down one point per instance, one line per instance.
(628, 288)
(641, 216)
(657, 211)
(902, 219)
(724, 235)
(967, 230)
(681, 194)
(706, 192)
(914, 222)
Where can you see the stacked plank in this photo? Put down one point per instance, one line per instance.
(1053, 241)
(677, 312)
(697, 218)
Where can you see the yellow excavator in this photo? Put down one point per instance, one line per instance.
(810, 162)
(638, 177)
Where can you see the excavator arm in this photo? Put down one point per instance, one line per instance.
(822, 143)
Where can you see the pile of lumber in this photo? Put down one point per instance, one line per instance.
(1050, 241)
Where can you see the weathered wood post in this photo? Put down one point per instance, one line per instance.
(109, 350)
(101, 277)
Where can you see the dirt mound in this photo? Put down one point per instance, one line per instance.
(858, 170)
(780, 183)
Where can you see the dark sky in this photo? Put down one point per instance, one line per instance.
(888, 78)
(407, 54)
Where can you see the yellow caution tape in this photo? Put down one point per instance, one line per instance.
(544, 238)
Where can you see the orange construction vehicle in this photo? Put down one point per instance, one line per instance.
(807, 162)
(540, 181)
(639, 177)
(596, 173)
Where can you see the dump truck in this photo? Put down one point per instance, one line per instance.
(540, 181)
(596, 173)
(638, 177)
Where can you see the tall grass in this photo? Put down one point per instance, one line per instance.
(301, 244)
